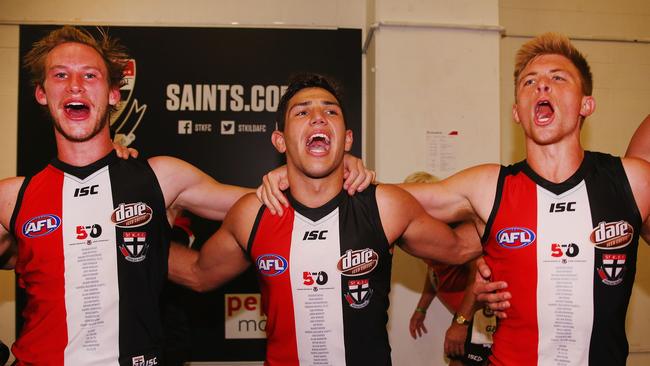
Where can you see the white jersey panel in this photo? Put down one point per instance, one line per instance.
(565, 260)
(316, 287)
(91, 288)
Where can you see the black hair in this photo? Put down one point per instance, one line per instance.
(298, 82)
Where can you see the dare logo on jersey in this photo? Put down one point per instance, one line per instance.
(131, 214)
(612, 235)
(357, 262)
(515, 237)
(271, 264)
(41, 225)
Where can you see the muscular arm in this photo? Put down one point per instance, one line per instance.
(186, 187)
(8, 194)
(422, 235)
(465, 196)
(639, 146)
(638, 174)
(222, 257)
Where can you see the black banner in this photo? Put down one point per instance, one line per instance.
(207, 96)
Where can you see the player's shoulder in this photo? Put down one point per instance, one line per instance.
(9, 188)
(245, 208)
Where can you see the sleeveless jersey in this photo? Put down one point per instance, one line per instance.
(325, 277)
(568, 252)
(92, 258)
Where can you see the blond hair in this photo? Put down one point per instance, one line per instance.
(420, 177)
(111, 51)
(553, 44)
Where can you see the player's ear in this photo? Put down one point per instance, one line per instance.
(40, 95)
(277, 138)
(348, 140)
(515, 114)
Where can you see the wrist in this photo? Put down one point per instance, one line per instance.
(421, 310)
(460, 320)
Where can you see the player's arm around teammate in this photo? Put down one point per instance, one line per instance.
(422, 235)
(222, 256)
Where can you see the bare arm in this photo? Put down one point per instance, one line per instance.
(639, 146)
(186, 187)
(467, 195)
(457, 333)
(222, 257)
(638, 174)
(416, 324)
(8, 194)
(422, 235)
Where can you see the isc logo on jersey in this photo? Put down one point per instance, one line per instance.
(41, 225)
(612, 235)
(271, 264)
(129, 215)
(357, 262)
(515, 237)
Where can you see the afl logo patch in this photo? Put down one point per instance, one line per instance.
(612, 235)
(41, 225)
(129, 215)
(515, 237)
(271, 264)
(357, 262)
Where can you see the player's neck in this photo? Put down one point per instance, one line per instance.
(555, 162)
(83, 153)
(315, 192)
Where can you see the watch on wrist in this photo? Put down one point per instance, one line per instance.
(460, 320)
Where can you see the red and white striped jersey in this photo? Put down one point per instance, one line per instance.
(92, 258)
(325, 277)
(568, 252)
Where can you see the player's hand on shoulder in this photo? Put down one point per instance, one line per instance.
(124, 152)
(270, 191)
(357, 176)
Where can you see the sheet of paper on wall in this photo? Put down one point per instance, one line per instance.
(441, 151)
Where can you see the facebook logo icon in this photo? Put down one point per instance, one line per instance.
(184, 127)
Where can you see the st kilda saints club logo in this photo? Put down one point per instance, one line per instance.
(612, 271)
(359, 293)
(134, 246)
(129, 112)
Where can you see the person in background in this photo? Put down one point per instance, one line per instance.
(469, 337)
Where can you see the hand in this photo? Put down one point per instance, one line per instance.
(124, 152)
(455, 340)
(416, 325)
(357, 176)
(487, 291)
(270, 192)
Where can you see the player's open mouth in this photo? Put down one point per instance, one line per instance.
(77, 110)
(318, 143)
(544, 112)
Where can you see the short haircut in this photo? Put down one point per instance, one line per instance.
(553, 44)
(298, 82)
(111, 51)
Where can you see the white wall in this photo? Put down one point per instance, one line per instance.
(422, 76)
(621, 88)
